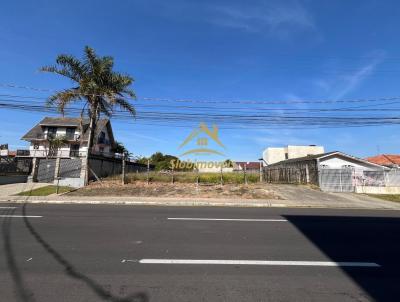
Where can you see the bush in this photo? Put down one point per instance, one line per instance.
(191, 177)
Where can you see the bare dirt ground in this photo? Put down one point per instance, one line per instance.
(142, 189)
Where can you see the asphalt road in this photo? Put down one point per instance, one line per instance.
(108, 253)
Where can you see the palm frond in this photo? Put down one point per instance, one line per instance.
(63, 98)
(125, 105)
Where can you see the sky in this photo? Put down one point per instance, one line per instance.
(213, 50)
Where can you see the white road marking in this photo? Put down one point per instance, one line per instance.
(128, 260)
(258, 262)
(29, 259)
(227, 219)
(8, 208)
(21, 216)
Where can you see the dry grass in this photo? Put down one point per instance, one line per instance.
(389, 197)
(160, 189)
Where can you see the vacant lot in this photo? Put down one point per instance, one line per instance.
(114, 188)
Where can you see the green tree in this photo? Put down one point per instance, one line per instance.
(96, 84)
(228, 163)
(120, 148)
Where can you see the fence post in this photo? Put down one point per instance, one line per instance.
(148, 171)
(57, 172)
(261, 172)
(123, 168)
(307, 175)
(197, 176)
(222, 178)
(172, 177)
(35, 168)
(245, 174)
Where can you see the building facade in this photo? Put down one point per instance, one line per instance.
(74, 132)
(273, 155)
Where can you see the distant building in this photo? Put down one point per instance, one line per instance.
(250, 166)
(332, 171)
(273, 155)
(387, 160)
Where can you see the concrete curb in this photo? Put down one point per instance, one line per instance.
(159, 201)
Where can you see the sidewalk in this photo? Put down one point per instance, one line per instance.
(349, 201)
(13, 189)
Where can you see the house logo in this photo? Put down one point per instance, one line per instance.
(203, 136)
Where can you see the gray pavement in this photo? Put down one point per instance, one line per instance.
(326, 200)
(94, 253)
(13, 189)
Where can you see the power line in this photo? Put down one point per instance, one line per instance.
(261, 102)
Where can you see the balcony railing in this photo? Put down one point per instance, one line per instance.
(23, 152)
(68, 136)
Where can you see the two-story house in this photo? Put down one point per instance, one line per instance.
(75, 133)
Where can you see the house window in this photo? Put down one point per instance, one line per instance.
(74, 151)
(102, 138)
(51, 132)
(286, 155)
(347, 166)
(70, 133)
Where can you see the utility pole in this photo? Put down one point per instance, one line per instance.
(148, 171)
(123, 168)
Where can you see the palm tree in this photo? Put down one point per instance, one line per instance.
(97, 85)
(55, 144)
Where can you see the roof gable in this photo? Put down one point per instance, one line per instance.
(328, 154)
(37, 131)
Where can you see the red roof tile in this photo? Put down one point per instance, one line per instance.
(385, 159)
(249, 165)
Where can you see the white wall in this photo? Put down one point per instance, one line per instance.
(300, 151)
(65, 151)
(273, 155)
(337, 162)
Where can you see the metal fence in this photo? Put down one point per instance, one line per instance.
(70, 168)
(15, 166)
(46, 170)
(345, 180)
(336, 180)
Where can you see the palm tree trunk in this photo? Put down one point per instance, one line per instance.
(92, 128)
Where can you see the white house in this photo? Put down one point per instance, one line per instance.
(75, 131)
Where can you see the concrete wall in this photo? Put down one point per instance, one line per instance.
(300, 151)
(377, 190)
(71, 182)
(13, 179)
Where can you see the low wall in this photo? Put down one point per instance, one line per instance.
(377, 190)
(70, 182)
(13, 179)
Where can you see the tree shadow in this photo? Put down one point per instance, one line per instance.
(26, 295)
(363, 239)
(23, 293)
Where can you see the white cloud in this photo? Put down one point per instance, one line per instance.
(352, 81)
(340, 85)
(276, 18)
